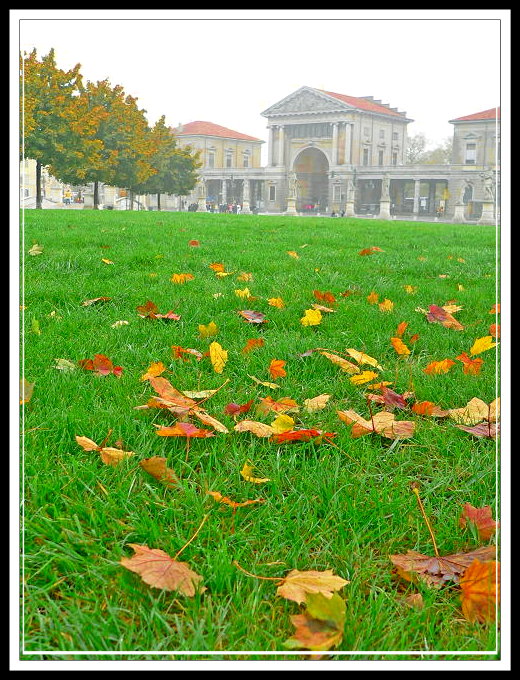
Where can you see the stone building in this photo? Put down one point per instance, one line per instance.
(334, 153)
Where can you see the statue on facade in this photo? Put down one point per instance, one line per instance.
(489, 185)
(202, 188)
(350, 189)
(293, 185)
(385, 188)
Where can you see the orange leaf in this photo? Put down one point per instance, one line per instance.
(438, 367)
(428, 408)
(373, 298)
(154, 369)
(495, 309)
(481, 518)
(439, 315)
(156, 466)
(276, 368)
(101, 365)
(180, 352)
(399, 346)
(386, 306)
(217, 267)
(194, 243)
(252, 343)
(159, 570)
(401, 328)
(26, 390)
(283, 405)
(480, 585)
(183, 430)
(302, 435)
(95, 301)
(293, 253)
(276, 302)
(494, 330)
(471, 366)
(325, 297)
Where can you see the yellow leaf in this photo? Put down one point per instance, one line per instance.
(218, 357)
(373, 298)
(245, 293)
(386, 306)
(282, 423)
(312, 317)
(364, 377)
(482, 344)
(153, 370)
(363, 358)
(106, 261)
(271, 385)
(209, 330)
(276, 302)
(410, 289)
(181, 278)
(317, 403)
(254, 426)
(245, 276)
(247, 474)
(345, 365)
(293, 253)
(474, 412)
(37, 249)
(221, 275)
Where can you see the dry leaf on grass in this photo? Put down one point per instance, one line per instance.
(297, 584)
(480, 585)
(481, 518)
(156, 466)
(321, 626)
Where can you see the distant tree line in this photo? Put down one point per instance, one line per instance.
(416, 152)
(95, 133)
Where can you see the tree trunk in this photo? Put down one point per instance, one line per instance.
(96, 195)
(131, 197)
(158, 201)
(38, 185)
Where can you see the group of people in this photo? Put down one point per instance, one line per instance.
(335, 214)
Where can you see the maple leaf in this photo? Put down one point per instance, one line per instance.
(217, 267)
(401, 329)
(234, 504)
(243, 293)
(390, 398)
(371, 250)
(298, 584)
(95, 301)
(324, 296)
(437, 571)
(252, 343)
(64, 365)
(156, 466)
(311, 317)
(101, 365)
(255, 427)
(495, 309)
(181, 352)
(247, 474)
(293, 253)
(321, 626)
(383, 423)
(482, 344)
(410, 289)
(428, 408)
(234, 409)
(475, 412)
(439, 315)
(181, 278)
(245, 276)
(345, 365)
(36, 249)
(276, 368)
(471, 366)
(283, 405)
(150, 311)
(208, 331)
(485, 430)
(481, 518)
(26, 391)
(182, 429)
(109, 455)
(316, 403)
(272, 386)
(251, 316)
(282, 423)
(386, 306)
(218, 357)
(159, 570)
(494, 330)
(363, 358)
(276, 302)
(480, 585)
(194, 243)
(302, 435)
(373, 298)
(438, 367)
(399, 346)
(362, 378)
(154, 369)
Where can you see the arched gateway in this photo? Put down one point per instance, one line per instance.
(312, 167)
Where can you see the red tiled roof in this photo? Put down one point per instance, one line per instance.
(203, 127)
(365, 104)
(489, 114)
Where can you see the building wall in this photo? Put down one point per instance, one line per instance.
(220, 146)
(484, 134)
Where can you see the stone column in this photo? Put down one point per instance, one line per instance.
(281, 144)
(224, 191)
(488, 213)
(201, 195)
(416, 196)
(458, 215)
(245, 198)
(348, 143)
(270, 145)
(334, 143)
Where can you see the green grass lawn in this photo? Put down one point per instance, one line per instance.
(344, 506)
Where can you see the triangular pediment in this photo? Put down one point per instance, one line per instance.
(306, 100)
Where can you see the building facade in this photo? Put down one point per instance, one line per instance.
(333, 153)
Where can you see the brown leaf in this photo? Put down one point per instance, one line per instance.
(26, 391)
(437, 571)
(156, 466)
(482, 518)
(159, 570)
(439, 315)
(255, 427)
(485, 430)
(94, 301)
(183, 430)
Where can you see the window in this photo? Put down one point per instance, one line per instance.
(229, 159)
(365, 156)
(381, 134)
(245, 159)
(394, 158)
(471, 154)
(395, 136)
(272, 192)
(211, 159)
(381, 157)
(336, 192)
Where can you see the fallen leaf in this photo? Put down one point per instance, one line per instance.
(255, 427)
(437, 571)
(95, 301)
(482, 430)
(209, 420)
(303, 435)
(234, 409)
(181, 278)
(482, 344)
(363, 358)
(150, 311)
(183, 429)
(252, 343)
(401, 329)
(245, 276)
(494, 330)
(399, 346)
(316, 403)
(159, 570)
(438, 367)
(410, 289)
(439, 315)
(321, 308)
(283, 405)
(101, 365)
(386, 306)
(218, 356)
(428, 408)
(475, 411)
(36, 249)
(252, 317)
(217, 267)
(194, 243)
(276, 368)
(481, 518)
(26, 391)
(247, 474)
(276, 302)
(103, 259)
(311, 317)
(154, 369)
(414, 601)
(271, 385)
(208, 331)
(369, 251)
(117, 324)
(298, 584)
(321, 626)
(64, 365)
(326, 296)
(480, 585)
(234, 504)
(185, 353)
(345, 365)
(495, 309)
(382, 423)
(362, 378)
(471, 366)
(108, 454)
(282, 423)
(156, 466)
(243, 293)
(390, 398)
(293, 253)
(373, 298)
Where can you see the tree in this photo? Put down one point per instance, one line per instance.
(415, 148)
(416, 152)
(50, 118)
(175, 167)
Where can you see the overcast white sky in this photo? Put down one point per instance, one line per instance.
(227, 66)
